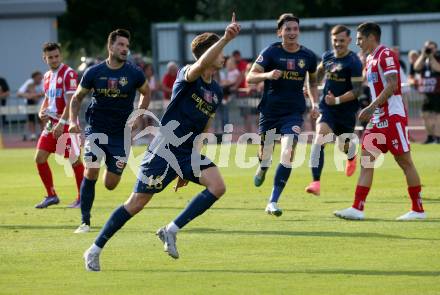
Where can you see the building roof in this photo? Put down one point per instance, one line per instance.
(31, 8)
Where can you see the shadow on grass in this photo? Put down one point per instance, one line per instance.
(320, 234)
(353, 272)
(37, 226)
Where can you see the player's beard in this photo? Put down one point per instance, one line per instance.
(120, 58)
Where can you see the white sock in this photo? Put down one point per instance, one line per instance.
(95, 249)
(260, 172)
(172, 227)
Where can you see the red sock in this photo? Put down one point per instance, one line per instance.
(415, 193)
(46, 178)
(79, 174)
(360, 196)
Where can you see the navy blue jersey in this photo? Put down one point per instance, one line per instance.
(338, 72)
(113, 96)
(192, 105)
(285, 96)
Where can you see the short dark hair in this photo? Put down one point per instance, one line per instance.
(367, 29)
(339, 29)
(202, 42)
(36, 73)
(117, 33)
(50, 46)
(286, 17)
(236, 52)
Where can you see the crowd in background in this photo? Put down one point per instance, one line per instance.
(420, 73)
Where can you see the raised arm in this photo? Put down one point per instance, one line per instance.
(210, 56)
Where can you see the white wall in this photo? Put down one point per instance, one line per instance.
(20, 49)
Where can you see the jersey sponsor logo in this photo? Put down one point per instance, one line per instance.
(123, 81)
(54, 93)
(73, 83)
(290, 75)
(382, 124)
(260, 58)
(202, 105)
(60, 80)
(290, 64)
(301, 63)
(389, 61)
(372, 77)
(112, 83)
(296, 129)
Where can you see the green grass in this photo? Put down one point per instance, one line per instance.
(235, 248)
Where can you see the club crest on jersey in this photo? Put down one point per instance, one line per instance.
(290, 64)
(296, 129)
(260, 58)
(59, 80)
(112, 83)
(301, 63)
(336, 67)
(389, 61)
(209, 96)
(123, 81)
(395, 143)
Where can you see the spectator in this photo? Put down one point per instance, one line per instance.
(428, 65)
(230, 79)
(152, 81)
(413, 55)
(32, 91)
(168, 82)
(249, 110)
(241, 66)
(4, 93)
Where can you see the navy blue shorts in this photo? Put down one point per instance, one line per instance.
(284, 125)
(113, 151)
(339, 122)
(156, 173)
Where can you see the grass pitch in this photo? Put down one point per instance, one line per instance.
(235, 248)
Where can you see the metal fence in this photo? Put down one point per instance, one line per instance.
(241, 112)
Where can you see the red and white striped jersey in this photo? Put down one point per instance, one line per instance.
(57, 84)
(381, 62)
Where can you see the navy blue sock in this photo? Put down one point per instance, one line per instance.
(118, 218)
(87, 196)
(316, 164)
(281, 176)
(202, 202)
